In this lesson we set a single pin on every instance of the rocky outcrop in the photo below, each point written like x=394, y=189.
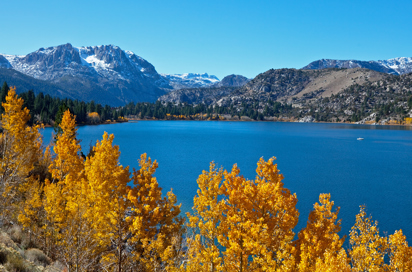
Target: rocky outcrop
x=232, y=81
x=196, y=96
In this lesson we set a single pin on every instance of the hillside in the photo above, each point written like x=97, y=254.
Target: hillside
x=25, y=83
x=196, y=96
x=355, y=95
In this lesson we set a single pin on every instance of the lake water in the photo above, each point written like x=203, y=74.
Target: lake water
x=314, y=159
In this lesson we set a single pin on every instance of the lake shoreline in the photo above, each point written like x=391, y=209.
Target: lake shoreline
x=268, y=121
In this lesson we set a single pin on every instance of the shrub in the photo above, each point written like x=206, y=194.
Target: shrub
x=37, y=256
x=16, y=263
x=16, y=234
x=7, y=241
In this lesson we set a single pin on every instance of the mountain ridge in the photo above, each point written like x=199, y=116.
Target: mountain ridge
x=396, y=66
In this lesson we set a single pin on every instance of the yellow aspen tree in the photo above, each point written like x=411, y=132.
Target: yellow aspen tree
x=66, y=201
x=67, y=149
x=332, y=262
x=32, y=215
x=108, y=203
x=20, y=148
x=400, y=253
x=319, y=236
x=368, y=248
x=203, y=249
x=156, y=229
x=66, y=162
x=252, y=220
x=260, y=214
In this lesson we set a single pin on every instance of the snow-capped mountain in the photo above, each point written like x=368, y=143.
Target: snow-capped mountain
x=401, y=65
x=190, y=80
x=106, y=74
x=396, y=66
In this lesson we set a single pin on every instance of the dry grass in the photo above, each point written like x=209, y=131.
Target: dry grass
x=335, y=81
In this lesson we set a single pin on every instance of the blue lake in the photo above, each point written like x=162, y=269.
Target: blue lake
x=314, y=159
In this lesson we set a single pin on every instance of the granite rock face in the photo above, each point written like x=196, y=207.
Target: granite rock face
x=232, y=81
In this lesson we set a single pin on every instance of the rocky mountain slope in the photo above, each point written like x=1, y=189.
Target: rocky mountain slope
x=284, y=84
x=389, y=98
x=206, y=95
x=396, y=66
x=196, y=96
x=26, y=83
x=106, y=74
x=232, y=81
x=332, y=94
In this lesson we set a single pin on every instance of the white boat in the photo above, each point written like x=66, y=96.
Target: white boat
x=360, y=139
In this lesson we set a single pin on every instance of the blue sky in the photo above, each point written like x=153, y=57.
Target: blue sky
x=218, y=37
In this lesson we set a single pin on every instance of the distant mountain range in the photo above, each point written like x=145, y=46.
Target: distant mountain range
x=106, y=74
x=397, y=66
x=109, y=75
x=190, y=80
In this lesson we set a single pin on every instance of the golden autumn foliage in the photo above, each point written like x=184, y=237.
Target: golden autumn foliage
x=252, y=220
x=368, y=247
x=66, y=200
x=92, y=214
x=20, y=149
x=155, y=226
x=319, y=241
x=107, y=200
x=399, y=252
x=93, y=117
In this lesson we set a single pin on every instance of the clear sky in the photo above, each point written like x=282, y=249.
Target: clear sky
x=218, y=37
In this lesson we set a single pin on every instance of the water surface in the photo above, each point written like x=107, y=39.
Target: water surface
x=314, y=158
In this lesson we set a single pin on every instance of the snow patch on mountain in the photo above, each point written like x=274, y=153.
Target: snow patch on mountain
x=402, y=65
x=397, y=66
x=190, y=80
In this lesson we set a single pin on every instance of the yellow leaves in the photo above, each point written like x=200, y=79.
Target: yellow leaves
x=67, y=149
x=93, y=117
x=154, y=219
x=368, y=248
x=400, y=253
x=320, y=236
x=20, y=149
x=251, y=219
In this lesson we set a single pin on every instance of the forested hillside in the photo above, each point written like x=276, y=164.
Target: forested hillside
x=45, y=108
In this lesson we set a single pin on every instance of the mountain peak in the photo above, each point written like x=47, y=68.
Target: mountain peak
x=191, y=80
